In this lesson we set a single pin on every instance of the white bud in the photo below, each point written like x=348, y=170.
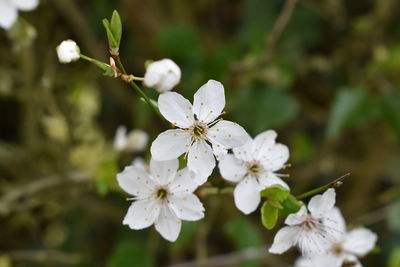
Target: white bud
x=120, y=138
x=137, y=140
x=162, y=75
x=68, y=51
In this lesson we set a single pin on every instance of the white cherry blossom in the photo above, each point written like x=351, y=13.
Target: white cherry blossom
x=198, y=127
x=353, y=244
x=314, y=232
x=162, y=196
x=68, y=51
x=9, y=10
x=253, y=167
x=162, y=75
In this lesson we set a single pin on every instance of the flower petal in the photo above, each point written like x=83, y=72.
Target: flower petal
x=201, y=161
x=170, y=144
x=141, y=214
x=263, y=142
x=8, y=14
x=360, y=241
x=121, y=138
x=167, y=224
x=219, y=151
x=26, y=5
x=335, y=223
x=298, y=217
x=274, y=157
x=136, y=181
x=247, y=195
x=163, y=171
x=183, y=182
x=232, y=169
x=176, y=109
x=228, y=134
x=245, y=152
x=187, y=206
x=270, y=179
x=320, y=204
x=284, y=239
x=209, y=101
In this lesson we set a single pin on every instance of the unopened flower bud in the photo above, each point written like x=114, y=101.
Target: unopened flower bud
x=162, y=75
x=68, y=51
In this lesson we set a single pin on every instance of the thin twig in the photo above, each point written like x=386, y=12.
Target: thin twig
x=335, y=183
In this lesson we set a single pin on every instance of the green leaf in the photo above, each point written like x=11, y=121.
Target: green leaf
x=269, y=214
x=112, y=42
x=276, y=192
x=116, y=27
x=290, y=205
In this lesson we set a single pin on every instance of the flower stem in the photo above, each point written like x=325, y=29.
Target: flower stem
x=334, y=184
x=132, y=84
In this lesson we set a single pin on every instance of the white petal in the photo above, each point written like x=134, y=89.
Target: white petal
x=228, y=134
x=209, y=101
x=284, y=239
x=187, y=206
x=335, y=223
x=120, y=138
x=320, y=204
x=219, y=151
x=167, y=224
x=183, y=182
x=270, y=179
x=360, y=241
x=298, y=217
x=139, y=163
x=170, y=144
x=232, y=169
x=163, y=171
x=247, y=195
x=26, y=5
x=136, y=181
x=275, y=157
x=245, y=152
x=8, y=14
x=263, y=142
x=162, y=75
x=141, y=214
x=176, y=109
x=201, y=161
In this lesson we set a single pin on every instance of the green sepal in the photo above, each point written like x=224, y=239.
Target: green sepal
x=276, y=192
x=269, y=214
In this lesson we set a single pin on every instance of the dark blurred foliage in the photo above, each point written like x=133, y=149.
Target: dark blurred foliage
x=329, y=85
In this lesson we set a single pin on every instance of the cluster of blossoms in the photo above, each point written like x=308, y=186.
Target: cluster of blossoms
x=319, y=231
x=163, y=195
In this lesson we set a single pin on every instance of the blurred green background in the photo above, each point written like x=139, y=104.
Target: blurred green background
x=328, y=81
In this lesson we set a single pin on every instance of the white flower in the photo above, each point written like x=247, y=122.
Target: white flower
x=9, y=10
x=162, y=75
x=313, y=232
x=163, y=196
x=135, y=141
x=68, y=51
x=198, y=126
x=355, y=243
x=253, y=167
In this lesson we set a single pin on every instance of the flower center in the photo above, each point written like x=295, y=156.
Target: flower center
x=254, y=168
x=337, y=249
x=162, y=193
x=199, y=130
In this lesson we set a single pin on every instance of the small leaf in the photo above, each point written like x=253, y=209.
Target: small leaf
x=111, y=40
x=276, y=192
x=290, y=205
x=116, y=27
x=269, y=214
